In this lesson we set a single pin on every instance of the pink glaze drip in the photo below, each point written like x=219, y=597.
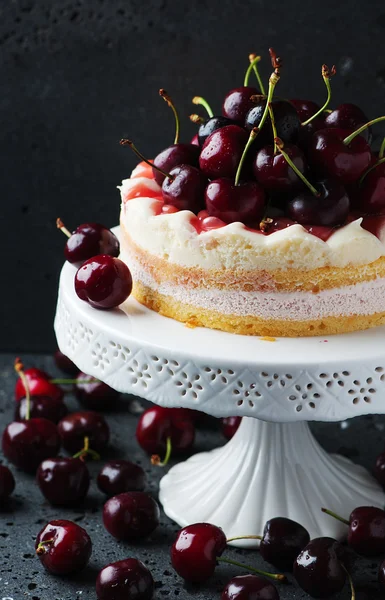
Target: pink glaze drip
x=168, y=209
x=143, y=170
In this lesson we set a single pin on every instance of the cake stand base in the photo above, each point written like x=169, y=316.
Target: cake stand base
x=265, y=470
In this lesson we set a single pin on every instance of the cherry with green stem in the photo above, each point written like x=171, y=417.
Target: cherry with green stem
x=157, y=461
x=88, y=240
x=237, y=102
x=199, y=101
x=366, y=533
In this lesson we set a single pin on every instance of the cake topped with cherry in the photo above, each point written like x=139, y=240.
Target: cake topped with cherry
x=270, y=222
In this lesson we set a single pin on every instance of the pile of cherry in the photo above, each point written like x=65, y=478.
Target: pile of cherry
x=269, y=162
x=42, y=425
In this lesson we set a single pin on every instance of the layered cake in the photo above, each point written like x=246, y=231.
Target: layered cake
x=269, y=223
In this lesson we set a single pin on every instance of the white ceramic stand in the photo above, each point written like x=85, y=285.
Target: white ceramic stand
x=273, y=465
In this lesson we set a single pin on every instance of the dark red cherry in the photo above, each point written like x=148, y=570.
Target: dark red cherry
x=63, y=481
x=222, y=152
x=186, y=189
x=41, y=407
x=381, y=576
x=329, y=209
x=282, y=541
x=350, y=117
x=39, y=385
x=345, y=162
x=126, y=579
x=94, y=394
x=7, y=483
x=63, y=547
x=367, y=531
x=195, y=551
x=88, y=240
x=131, y=515
x=103, y=281
x=118, y=476
x=286, y=119
x=237, y=103
x=370, y=198
x=27, y=443
x=230, y=426
x=211, y=125
x=78, y=425
x=65, y=364
x=157, y=424
x=249, y=587
x=305, y=108
x=306, y=132
x=274, y=173
x=171, y=157
x=379, y=469
x=318, y=569
x=232, y=203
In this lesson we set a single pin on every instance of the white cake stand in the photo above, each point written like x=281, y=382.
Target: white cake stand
x=273, y=466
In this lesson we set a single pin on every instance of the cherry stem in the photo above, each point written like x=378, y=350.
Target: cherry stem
x=313, y=190
x=73, y=381
x=41, y=548
x=353, y=591
x=276, y=576
x=326, y=76
x=382, y=149
x=86, y=451
x=351, y=137
x=125, y=142
x=254, y=60
x=335, y=516
x=244, y=537
x=197, y=119
x=155, y=458
x=19, y=368
x=199, y=101
x=379, y=162
x=163, y=94
x=253, y=134
x=272, y=119
x=60, y=225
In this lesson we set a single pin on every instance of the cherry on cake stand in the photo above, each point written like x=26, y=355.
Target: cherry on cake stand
x=273, y=466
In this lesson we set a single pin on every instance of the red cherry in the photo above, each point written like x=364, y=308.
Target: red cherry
x=232, y=203
x=124, y=580
x=26, y=444
x=131, y=515
x=185, y=188
x=319, y=570
x=39, y=385
x=286, y=120
x=63, y=481
x=118, y=476
x=195, y=551
x=350, y=117
x=211, y=125
x=370, y=197
x=79, y=425
x=88, y=240
x=249, y=587
x=274, y=173
x=307, y=131
x=237, y=103
x=329, y=209
x=222, y=151
x=157, y=424
x=94, y=394
x=305, y=108
x=345, y=162
x=171, y=157
x=103, y=281
x=7, y=483
x=63, y=547
x=41, y=407
x=230, y=426
x=65, y=364
x=367, y=531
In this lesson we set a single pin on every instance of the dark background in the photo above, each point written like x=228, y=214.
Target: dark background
x=76, y=76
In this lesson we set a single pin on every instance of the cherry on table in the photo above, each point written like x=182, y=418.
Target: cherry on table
x=222, y=152
x=249, y=587
x=118, y=476
x=63, y=481
x=44, y=407
x=304, y=108
x=319, y=569
x=131, y=515
x=282, y=541
x=7, y=483
x=329, y=209
x=366, y=534
x=88, y=240
x=157, y=424
x=63, y=547
x=65, y=364
x=171, y=157
x=350, y=117
x=103, y=281
x=274, y=173
x=27, y=443
x=83, y=424
x=94, y=394
x=39, y=385
x=286, y=119
x=231, y=203
x=185, y=188
x=230, y=426
x=125, y=579
x=237, y=103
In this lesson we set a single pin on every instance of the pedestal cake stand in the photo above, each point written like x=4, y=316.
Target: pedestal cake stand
x=273, y=466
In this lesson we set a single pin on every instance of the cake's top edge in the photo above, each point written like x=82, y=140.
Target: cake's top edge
x=188, y=240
